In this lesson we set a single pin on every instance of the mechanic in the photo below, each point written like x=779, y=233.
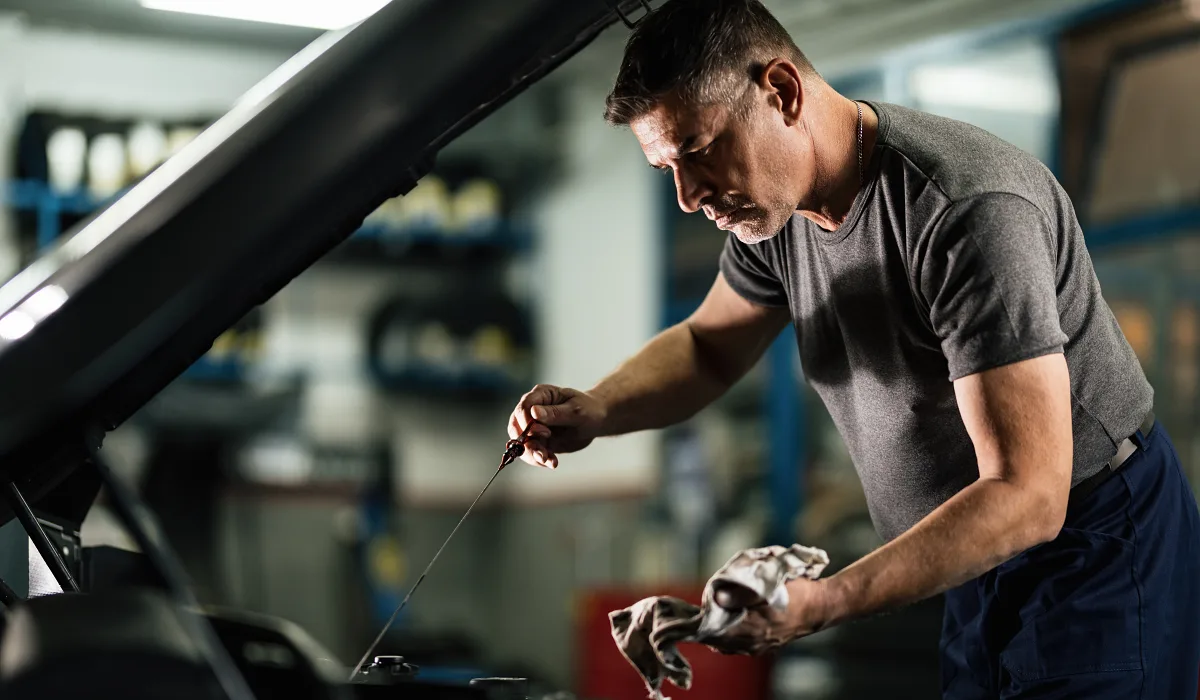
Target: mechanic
x=947, y=313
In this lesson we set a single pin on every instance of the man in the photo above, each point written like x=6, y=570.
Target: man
x=947, y=313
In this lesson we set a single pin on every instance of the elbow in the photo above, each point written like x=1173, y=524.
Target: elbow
x=1046, y=515
x=1036, y=500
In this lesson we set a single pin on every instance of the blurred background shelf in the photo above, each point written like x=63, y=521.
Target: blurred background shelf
x=372, y=242
x=35, y=195
x=51, y=206
x=452, y=382
x=420, y=245
x=222, y=371
x=1142, y=228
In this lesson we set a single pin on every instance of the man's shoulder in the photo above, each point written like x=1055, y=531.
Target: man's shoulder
x=962, y=161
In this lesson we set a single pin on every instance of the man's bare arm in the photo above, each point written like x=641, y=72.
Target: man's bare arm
x=1019, y=419
x=691, y=364
x=675, y=375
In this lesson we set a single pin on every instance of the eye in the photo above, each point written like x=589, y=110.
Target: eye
x=706, y=151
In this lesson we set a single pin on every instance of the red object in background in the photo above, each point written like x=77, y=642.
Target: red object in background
x=604, y=674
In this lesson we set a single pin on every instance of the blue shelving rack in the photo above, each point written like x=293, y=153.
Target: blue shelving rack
x=380, y=243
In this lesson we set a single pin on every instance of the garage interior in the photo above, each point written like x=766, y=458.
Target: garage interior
x=311, y=463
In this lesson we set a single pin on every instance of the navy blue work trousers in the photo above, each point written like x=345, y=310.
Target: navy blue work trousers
x=1108, y=609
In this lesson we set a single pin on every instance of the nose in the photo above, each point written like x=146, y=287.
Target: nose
x=690, y=190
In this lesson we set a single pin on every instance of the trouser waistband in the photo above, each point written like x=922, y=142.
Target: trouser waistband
x=1125, y=450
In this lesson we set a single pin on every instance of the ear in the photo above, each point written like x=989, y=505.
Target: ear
x=780, y=79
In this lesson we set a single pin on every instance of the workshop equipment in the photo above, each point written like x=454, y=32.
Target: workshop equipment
x=512, y=450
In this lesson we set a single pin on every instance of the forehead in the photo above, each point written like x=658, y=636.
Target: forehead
x=671, y=126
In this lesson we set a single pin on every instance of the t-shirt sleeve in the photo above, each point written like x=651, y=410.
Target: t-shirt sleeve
x=988, y=277
x=748, y=270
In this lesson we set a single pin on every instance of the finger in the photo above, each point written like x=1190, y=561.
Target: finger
x=539, y=455
x=533, y=452
x=536, y=431
x=538, y=395
x=535, y=447
x=546, y=457
x=562, y=415
x=524, y=419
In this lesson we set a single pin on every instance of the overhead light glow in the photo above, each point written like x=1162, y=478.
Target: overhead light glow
x=15, y=325
x=318, y=14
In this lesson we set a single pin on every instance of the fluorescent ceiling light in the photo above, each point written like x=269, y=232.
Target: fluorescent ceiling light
x=318, y=14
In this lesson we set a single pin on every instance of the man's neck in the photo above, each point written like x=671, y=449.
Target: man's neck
x=838, y=160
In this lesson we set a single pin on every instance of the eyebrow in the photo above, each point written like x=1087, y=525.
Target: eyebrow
x=684, y=148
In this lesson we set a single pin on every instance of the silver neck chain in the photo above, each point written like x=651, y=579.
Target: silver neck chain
x=860, y=147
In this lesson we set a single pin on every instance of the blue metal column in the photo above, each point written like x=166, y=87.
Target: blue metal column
x=786, y=423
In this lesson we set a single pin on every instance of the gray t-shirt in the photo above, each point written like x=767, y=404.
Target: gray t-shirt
x=960, y=254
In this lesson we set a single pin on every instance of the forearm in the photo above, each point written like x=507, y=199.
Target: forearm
x=668, y=381
x=981, y=527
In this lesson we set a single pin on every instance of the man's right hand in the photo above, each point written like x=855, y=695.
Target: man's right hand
x=568, y=420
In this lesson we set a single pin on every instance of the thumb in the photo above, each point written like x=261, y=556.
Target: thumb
x=564, y=414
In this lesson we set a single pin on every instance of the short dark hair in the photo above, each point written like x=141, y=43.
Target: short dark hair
x=697, y=49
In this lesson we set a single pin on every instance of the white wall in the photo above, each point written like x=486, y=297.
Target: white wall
x=122, y=75
x=599, y=297
x=444, y=450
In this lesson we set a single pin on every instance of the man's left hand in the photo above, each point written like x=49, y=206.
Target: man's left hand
x=764, y=629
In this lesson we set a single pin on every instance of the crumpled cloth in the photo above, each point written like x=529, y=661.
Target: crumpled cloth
x=648, y=632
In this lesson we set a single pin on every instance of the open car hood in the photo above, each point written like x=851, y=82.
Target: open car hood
x=131, y=298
